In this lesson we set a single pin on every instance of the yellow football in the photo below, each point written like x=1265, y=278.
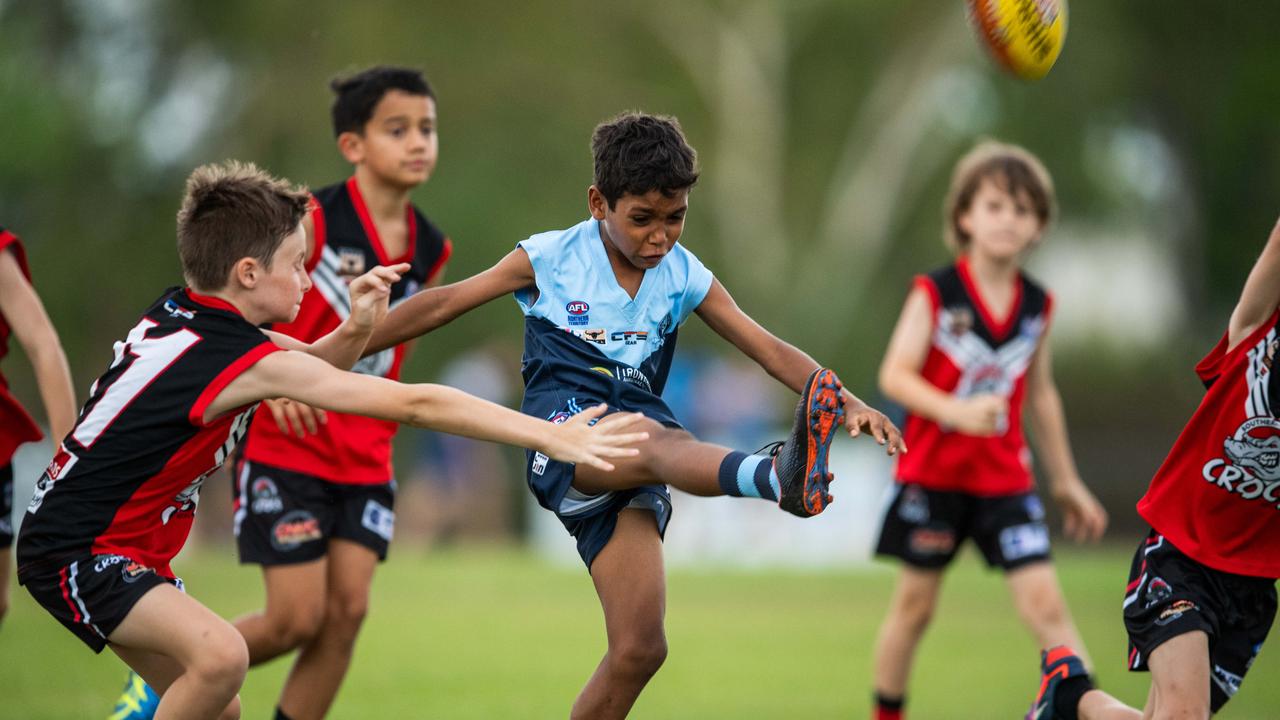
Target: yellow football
x=1024, y=36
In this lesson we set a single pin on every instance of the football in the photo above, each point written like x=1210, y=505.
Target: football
x=1024, y=36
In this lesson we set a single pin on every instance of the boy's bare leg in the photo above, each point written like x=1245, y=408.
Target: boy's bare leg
x=631, y=582
x=1037, y=597
x=293, y=612
x=195, y=660
x=910, y=611
x=322, y=663
x=670, y=456
x=1180, y=678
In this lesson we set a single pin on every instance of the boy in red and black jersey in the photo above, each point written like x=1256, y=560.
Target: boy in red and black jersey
x=969, y=351
x=22, y=315
x=115, y=505
x=314, y=492
x=1201, y=595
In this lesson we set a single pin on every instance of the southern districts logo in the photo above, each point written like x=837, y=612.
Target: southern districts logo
x=1251, y=468
x=351, y=263
x=577, y=310
x=378, y=519
x=293, y=529
x=1157, y=592
x=266, y=497
x=931, y=541
x=131, y=571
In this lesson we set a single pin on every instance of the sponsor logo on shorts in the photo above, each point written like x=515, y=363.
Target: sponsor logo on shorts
x=1175, y=611
x=929, y=541
x=102, y=562
x=293, y=529
x=577, y=310
x=1021, y=541
x=539, y=463
x=1251, y=466
x=913, y=507
x=1226, y=680
x=266, y=497
x=62, y=463
x=1158, y=591
x=378, y=519
x=131, y=571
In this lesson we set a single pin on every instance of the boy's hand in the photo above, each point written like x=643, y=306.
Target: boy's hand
x=294, y=417
x=984, y=414
x=1083, y=516
x=577, y=441
x=370, y=294
x=860, y=417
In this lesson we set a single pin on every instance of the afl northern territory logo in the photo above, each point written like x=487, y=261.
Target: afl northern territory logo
x=1251, y=468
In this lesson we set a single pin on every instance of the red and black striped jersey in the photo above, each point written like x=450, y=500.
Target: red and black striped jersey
x=970, y=353
x=1217, y=495
x=127, y=479
x=348, y=449
x=16, y=426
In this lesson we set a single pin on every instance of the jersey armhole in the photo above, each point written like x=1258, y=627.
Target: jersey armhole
x=318, y=232
x=10, y=241
x=1210, y=367
x=446, y=250
x=924, y=282
x=224, y=378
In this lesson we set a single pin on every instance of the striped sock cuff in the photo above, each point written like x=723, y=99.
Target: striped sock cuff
x=743, y=475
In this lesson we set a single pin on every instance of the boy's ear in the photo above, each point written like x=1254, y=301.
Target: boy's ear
x=596, y=203
x=246, y=272
x=351, y=145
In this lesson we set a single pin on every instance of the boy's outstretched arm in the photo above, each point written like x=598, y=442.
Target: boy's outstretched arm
x=1083, y=516
x=309, y=380
x=434, y=307
x=902, y=381
x=25, y=314
x=1261, y=292
x=787, y=363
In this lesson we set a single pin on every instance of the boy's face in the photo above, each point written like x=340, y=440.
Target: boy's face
x=399, y=143
x=642, y=228
x=1000, y=225
x=280, y=289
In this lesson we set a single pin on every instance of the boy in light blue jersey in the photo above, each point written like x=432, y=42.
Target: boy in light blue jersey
x=603, y=302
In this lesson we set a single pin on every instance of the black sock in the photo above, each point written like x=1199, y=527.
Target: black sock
x=281, y=716
x=889, y=707
x=1066, y=700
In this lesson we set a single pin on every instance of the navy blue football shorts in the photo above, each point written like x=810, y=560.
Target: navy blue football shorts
x=590, y=519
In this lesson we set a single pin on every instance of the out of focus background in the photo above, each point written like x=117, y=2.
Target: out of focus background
x=826, y=130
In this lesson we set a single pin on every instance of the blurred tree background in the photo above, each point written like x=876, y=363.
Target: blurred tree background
x=826, y=129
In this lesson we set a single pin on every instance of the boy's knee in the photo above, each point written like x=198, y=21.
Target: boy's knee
x=299, y=626
x=915, y=611
x=222, y=662
x=348, y=611
x=639, y=656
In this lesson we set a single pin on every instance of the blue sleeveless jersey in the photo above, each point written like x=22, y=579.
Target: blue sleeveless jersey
x=586, y=338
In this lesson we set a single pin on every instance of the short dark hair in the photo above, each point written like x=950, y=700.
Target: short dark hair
x=231, y=211
x=358, y=94
x=636, y=153
x=1011, y=167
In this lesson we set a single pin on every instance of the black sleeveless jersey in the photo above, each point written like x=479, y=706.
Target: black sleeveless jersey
x=127, y=479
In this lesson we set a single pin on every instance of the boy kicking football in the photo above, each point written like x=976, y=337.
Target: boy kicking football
x=603, y=302
x=117, y=501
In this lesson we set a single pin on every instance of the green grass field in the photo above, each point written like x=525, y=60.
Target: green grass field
x=499, y=633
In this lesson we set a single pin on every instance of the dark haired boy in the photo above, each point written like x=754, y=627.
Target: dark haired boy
x=603, y=302
x=116, y=503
